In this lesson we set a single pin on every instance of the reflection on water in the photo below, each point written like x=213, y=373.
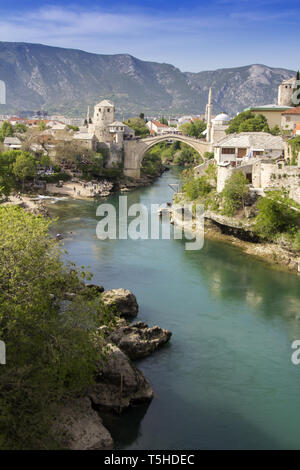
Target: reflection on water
x=226, y=379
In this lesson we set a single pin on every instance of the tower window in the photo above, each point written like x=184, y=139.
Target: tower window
x=108, y=110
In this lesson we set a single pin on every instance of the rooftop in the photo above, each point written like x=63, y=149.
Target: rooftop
x=252, y=139
x=268, y=107
x=295, y=110
x=106, y=103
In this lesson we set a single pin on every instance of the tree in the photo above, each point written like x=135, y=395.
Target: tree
x=163, y=120
x=24, y=167
x=274, y=216
x=6, y=130
x=51, y=353
x=142, y=116
x=138, y=125
x=248, y=122
x=21, y=128
x=42, y=126
x=7, y=179
x=234, y=193
x=193, y=129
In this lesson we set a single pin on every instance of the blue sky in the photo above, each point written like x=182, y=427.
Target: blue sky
x=192, y=35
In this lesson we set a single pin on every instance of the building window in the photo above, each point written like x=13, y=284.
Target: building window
x=228, y=151
x=108, y=110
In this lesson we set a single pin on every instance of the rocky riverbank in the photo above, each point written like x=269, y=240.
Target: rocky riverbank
x=119, y=384
x=234, y=232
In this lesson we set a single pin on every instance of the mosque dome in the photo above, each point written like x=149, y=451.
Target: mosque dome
x=221, y=118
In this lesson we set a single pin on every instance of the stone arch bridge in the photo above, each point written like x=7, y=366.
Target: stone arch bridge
x=134, y=150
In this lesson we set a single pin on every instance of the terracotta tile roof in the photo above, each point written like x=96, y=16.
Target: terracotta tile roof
x=295, y=110
x=159, y=124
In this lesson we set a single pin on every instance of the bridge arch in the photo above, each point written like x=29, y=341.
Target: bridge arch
x=135, y=150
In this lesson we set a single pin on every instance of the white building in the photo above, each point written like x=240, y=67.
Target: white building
x=12, y=143
x=246, y=145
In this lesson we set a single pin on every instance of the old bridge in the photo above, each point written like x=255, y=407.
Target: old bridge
x=134, y=150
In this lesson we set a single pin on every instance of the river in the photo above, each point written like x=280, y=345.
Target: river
x=226, y=380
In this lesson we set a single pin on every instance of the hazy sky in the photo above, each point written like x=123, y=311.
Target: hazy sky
x=192, y=35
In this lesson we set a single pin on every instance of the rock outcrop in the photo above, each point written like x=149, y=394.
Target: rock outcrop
x=119, y=383
x=79, y=427
x=122, y=300
x=138, y=340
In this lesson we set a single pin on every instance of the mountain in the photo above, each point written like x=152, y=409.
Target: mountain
x=68, y=80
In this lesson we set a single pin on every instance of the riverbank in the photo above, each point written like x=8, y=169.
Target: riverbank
x=215, y=228
x=119, y=384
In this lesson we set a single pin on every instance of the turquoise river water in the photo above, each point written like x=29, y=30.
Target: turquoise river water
x=226, y=380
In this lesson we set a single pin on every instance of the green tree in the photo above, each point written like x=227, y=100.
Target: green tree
x=234, y=193
x=193, y=129
x=24, y=167
x=42, y=126
x=21, y=128
x=138, y=125
x=274, y=216
x=6, y=130
x=248, y=122
x=163, y=120
x=51, y=352
x=7, y=179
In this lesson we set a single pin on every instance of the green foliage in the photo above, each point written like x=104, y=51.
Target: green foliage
x=163, y=120
x=295, y=146
x=275, y=216
x=196, y=188
x=42, y=126
x=138, y=125
x=51, y=352
x=275, y=130
x=7, y=178
x=193, y=129
x=208, y=155
x=247, y=121
x=24, y=167
x=55, y=177
x=234, y=193
x=152, y=164
x=73, y=128
x=20, y=128
x=6, y=130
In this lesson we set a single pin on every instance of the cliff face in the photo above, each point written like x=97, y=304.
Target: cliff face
x=67, y=80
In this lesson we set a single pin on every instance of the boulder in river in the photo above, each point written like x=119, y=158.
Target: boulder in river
x=122, y=300
x=79, y=427
x=119, y=383
x=138, y=340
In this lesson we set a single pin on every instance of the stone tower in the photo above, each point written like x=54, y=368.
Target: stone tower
x=208, y=116
x=285, y=92
x=104, y=116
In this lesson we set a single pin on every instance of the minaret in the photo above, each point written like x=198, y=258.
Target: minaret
x=208, y=115
x=88, y=116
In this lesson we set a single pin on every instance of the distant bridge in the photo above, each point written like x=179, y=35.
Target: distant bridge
x=134, y=150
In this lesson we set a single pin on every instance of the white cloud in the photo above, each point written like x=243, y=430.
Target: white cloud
x=184, y=38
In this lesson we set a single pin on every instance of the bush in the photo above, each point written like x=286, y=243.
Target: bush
x=274, y=217
x=55, y=178
x=196, y=188
x=234, y=193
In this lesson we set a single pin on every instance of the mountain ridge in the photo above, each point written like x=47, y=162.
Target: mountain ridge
x=65, y=80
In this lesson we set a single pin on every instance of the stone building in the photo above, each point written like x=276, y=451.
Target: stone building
x=285, y=92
